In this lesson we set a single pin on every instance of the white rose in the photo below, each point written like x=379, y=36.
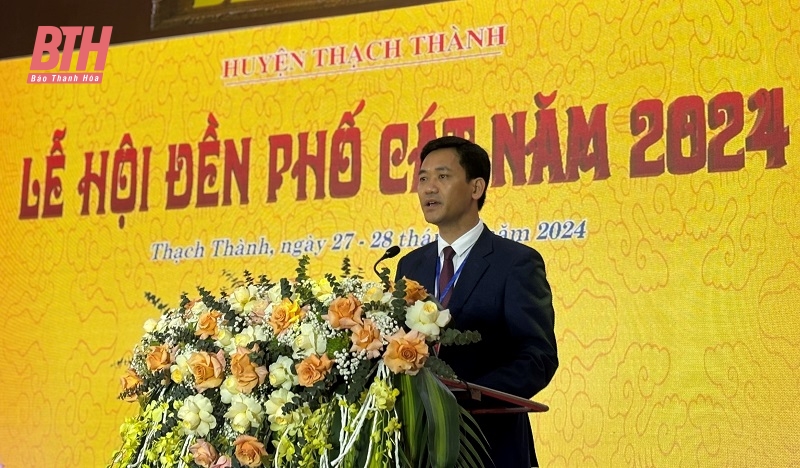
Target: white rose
x=161, y=325
x=374, y=293
x=180, y=369
x=309, y=341
x=243, y=298
x=228, y=389
x=198, y=308
x=274, y=293
x=245, y=412
x=426, y=318
x=274, y=410
x=224, y=339
x=280, y=373
x=197, y=416
x=249, y=335
x=176, y=323
x=150, y=325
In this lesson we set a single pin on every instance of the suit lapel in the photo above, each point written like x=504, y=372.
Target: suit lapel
x=476, y=266
x=424, y=272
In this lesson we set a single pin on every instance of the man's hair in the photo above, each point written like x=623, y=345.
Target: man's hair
x=473, y=158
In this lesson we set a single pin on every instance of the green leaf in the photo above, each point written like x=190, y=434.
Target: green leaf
x=442, y=416
x=440, y=368
x=452, y=336
x=302, y=268
x=346, y=267
x=472, y=437
x=384, y=276
x=411, y=414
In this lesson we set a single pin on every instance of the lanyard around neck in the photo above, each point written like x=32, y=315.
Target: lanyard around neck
x=452, y=281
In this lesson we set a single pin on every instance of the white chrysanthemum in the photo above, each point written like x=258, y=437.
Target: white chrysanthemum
x=197, y=416
x=243, y=298
x=245, y=412
x=426, y=318
x=228, y=389
x=309, y=341
x=280, y=373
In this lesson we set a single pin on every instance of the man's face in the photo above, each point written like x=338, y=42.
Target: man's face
x=444, y=193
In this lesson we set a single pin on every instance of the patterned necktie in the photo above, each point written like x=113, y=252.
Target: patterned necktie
x=446, y=275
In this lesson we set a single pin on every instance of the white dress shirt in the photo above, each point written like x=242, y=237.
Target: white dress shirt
x=462, y=246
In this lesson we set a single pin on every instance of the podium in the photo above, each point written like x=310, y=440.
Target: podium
x=478, y=399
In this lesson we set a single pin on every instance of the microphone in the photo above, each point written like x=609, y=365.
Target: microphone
x=391, y=252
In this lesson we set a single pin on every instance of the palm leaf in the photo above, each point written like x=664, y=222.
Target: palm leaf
x=412, y=417
x=442, y=417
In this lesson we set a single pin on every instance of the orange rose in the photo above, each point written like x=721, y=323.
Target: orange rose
x=414, y=291
x=284, y=315
x=204, y=453
x=344, y=312
x=207, y=324
x=249, y=450
x=158, y=358
x=129, y=382
x=313, y=369
x=367, y=338
x=208, y=369
x=247, y=375
x=406, y=352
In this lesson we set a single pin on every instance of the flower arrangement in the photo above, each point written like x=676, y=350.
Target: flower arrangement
x=333, y=372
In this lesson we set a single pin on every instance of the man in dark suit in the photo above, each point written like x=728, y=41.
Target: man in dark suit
x=494, y=285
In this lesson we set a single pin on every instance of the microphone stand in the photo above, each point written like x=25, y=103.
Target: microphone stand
x=391, y=252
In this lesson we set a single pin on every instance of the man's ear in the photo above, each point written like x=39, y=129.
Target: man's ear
x=478, y=187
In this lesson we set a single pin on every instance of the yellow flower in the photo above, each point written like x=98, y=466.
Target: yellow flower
x=284, y=315
x=385, y=395
x=322, y=289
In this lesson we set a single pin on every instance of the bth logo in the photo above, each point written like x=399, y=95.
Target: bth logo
x=48, y=40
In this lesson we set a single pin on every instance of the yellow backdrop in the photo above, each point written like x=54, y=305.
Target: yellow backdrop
x=619, y=133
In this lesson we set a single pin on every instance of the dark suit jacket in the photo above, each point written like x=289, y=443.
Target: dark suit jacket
x=503, y=293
